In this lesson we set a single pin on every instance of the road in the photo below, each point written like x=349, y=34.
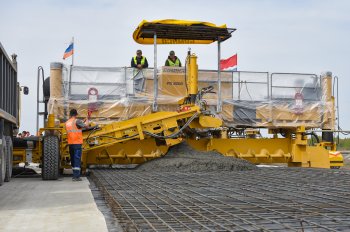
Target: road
x=31, y=204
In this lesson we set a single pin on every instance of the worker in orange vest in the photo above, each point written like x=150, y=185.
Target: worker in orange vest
x=74, y=128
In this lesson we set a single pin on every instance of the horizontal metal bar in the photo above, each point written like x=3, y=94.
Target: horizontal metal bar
x=345, y=131
x=7, y=116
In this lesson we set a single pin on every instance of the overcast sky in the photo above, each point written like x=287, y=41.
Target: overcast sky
x=273, y=36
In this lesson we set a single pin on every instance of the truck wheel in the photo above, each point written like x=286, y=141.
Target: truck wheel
x=50, y=158
x=9, y=158
x=3, y=153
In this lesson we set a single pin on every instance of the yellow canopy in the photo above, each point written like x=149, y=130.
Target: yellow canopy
x=171, y=31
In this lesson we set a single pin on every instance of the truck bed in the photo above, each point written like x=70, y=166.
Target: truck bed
x=8, y=88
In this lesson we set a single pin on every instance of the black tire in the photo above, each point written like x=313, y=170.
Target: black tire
x=51, y=158
x=9, y=158
x=3, y=152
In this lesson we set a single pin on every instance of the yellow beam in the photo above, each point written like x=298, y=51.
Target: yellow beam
x=293, y=152
x=192, y=74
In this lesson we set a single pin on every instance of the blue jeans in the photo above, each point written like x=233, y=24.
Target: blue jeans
x=75, y=158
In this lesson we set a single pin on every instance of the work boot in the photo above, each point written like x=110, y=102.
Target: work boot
x=77, y=179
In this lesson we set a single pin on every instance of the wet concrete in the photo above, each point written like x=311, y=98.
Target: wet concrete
x=183, y=158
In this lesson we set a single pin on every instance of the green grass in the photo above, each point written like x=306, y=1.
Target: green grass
x=344, y=144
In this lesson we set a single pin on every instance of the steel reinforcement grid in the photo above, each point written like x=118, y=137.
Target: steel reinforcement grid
x=267, y=199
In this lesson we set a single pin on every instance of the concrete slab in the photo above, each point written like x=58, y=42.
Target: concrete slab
x=31, y=204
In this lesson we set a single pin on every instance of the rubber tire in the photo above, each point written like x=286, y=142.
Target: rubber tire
x=9, y=158
x=3, y=152
x=51, y=158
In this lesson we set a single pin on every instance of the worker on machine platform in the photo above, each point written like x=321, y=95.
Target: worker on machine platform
x=139, y=61
x=173, y=60
x=75, y=140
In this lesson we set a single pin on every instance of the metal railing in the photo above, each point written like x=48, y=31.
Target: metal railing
x=242, y=85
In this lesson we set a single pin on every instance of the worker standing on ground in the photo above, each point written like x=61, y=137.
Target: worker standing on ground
x=139, y=61
x=173, y=60
x=75, y=140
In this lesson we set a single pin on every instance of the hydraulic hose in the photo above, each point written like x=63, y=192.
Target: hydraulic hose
x=174, y=134
x=313, y=134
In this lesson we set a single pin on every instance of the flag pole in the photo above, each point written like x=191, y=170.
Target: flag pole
x=218, y=107
x=70, y=71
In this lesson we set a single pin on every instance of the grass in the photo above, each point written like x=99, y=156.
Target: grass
x=344, y=144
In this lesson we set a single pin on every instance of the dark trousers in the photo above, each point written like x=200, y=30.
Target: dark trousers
x=75, y=158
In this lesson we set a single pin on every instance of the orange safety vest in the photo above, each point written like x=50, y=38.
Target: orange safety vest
x=74, y=135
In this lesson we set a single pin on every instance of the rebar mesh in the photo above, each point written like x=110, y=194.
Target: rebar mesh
x=267, y=199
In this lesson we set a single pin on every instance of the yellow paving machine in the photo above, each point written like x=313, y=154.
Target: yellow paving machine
x=137, y=115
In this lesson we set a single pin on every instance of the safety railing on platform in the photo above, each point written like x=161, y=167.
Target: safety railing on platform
x=247, y=98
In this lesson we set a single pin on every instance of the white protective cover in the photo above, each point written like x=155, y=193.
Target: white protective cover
x=249, y=99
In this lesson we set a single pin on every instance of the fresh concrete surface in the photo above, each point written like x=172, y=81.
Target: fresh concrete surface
x=31, y=204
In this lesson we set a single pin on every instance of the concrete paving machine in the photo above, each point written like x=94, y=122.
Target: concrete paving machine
x=137, y=115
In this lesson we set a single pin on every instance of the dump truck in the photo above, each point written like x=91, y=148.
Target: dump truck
x=137, y=115
x=9, y=111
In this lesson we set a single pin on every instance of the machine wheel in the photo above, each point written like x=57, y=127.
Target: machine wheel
x=51, y=158
x=3, y=153
x=9, y=158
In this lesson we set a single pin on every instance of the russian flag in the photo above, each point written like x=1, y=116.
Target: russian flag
x=229, y=62
x=69, y=51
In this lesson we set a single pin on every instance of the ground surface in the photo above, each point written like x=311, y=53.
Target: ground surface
x=266, y=199
x=189, y=190
x=31, y=204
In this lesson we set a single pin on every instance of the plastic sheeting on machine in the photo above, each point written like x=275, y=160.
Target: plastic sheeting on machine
x=249, y=99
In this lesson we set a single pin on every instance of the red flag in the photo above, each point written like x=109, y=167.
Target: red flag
x=229, y=62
